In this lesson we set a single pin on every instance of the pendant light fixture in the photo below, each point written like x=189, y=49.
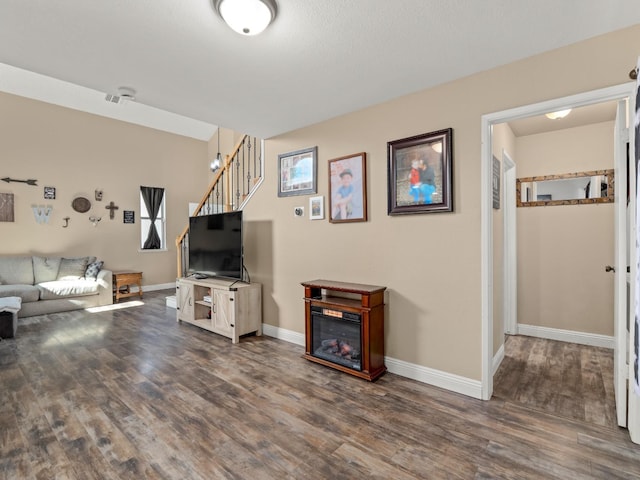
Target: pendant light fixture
x=217, y=162
x=247, y=17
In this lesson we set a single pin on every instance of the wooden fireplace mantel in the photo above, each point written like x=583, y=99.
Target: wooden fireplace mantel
x=365, y=300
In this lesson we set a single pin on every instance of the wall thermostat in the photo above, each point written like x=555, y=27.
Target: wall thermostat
x=298, y=211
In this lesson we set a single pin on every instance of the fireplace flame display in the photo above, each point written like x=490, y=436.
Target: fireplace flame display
x=337, y=339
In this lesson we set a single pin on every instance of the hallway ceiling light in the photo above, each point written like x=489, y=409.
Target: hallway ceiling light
x=247, y=17
x=558, y=114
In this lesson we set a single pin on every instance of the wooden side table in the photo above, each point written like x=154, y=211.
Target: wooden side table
x=122, y=282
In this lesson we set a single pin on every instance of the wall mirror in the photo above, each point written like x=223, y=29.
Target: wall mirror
x=566, y=189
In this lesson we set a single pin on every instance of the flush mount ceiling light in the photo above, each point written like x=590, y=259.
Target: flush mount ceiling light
x=247, y=17
x=558, y=114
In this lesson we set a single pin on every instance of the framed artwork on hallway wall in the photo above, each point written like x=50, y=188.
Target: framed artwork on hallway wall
x=348, y=188
x=297, y=172
x=420, y=173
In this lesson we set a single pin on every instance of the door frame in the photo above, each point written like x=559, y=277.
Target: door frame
x=510, y=255
x=617, y=92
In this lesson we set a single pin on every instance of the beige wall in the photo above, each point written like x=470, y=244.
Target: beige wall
x=502, y=139
x=430, y=263
x=562, y=250
x=78, y=153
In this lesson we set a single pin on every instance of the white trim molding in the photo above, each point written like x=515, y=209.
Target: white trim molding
x=283, y=334
x=431, y=376
x=497, y=359
x=571, y=336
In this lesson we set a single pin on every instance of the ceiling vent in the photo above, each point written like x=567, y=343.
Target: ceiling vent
x=124, y=94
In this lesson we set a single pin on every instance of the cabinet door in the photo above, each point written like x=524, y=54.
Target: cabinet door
x=223, y=312
x=184, y=299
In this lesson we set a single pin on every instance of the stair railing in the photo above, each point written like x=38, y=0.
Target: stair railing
x=231, y=188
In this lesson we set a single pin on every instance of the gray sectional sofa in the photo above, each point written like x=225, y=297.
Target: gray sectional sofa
x=55, y=284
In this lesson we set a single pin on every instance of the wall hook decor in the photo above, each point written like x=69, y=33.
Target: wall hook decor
x=94, y=220
x=66, y=222
x=98, y=195
x=28, y=182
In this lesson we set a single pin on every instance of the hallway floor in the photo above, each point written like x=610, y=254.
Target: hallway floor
x=564, y=379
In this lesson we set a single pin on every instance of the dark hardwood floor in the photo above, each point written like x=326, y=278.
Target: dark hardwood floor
x=565, y=379
x=132, y=394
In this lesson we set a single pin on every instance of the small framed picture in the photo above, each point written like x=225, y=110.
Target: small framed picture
x=128, y=216
x=316, y=208
x=348, y=189
x=420, y=173
x=49, y=193
x=297, y=172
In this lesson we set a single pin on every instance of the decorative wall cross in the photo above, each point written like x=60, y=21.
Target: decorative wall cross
x=112, y=210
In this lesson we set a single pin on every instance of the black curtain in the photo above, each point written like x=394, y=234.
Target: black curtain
x=152, y=197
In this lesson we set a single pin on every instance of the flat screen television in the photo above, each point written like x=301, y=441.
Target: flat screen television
x=215, y=245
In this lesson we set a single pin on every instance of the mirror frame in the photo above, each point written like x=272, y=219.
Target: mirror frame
x=609, y=173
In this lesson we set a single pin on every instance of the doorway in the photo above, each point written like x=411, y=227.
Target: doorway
x=621, y=92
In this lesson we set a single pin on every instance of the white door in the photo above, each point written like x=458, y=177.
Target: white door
x=620, y=368
x=634, y=255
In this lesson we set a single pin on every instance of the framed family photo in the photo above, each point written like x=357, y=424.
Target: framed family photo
x=348, y=189
x=297, y=172
x=420, y=172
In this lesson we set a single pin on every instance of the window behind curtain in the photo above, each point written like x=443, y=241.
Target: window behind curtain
x=145, y=223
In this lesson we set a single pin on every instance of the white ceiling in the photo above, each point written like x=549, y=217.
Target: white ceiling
x=319, y=59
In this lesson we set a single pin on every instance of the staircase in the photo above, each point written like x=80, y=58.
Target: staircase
x=232, y=186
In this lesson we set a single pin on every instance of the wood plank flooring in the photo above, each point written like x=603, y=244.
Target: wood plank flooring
x=132, y=394
x=565, y=379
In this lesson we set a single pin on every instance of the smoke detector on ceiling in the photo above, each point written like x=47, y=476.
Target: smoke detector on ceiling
x=124, y=94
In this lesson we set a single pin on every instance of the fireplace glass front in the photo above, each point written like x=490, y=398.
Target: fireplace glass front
x=335, y=337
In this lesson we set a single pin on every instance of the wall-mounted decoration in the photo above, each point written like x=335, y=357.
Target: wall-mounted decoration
x=420, y=173
x=112, y=208
x=6, y=207
x=495, y=183
x=128, y=216
x=297, y=172
x=566, y=189
x=28, y=182
x=49, y=193
x=98, y=194
x=42, y=213
x=316, y=208
x=66, y=222
x=94, y=220
x=81, y=204
x=348, y=189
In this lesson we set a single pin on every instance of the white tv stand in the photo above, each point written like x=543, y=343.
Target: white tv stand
x=235, y=308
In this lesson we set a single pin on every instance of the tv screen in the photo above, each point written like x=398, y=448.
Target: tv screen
x=215, y=245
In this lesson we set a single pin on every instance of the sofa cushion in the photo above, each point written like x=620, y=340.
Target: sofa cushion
x=28, y=293
x=93, y=269
x=16, y=270
x=45, y=269
x=66, y=288
x=72, y=268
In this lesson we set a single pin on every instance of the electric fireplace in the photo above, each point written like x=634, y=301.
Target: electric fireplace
x=344, y=327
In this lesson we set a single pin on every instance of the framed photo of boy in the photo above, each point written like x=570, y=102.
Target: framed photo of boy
x=348, y=189
x=420, y=173
x=297, y=172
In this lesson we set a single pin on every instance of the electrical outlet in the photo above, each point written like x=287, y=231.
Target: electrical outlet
x=298, y=212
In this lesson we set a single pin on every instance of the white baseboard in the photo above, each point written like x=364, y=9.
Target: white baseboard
x=151, y=288
x=283, y=334
x=582, y=338
x=497, y=359
x=437, y=378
